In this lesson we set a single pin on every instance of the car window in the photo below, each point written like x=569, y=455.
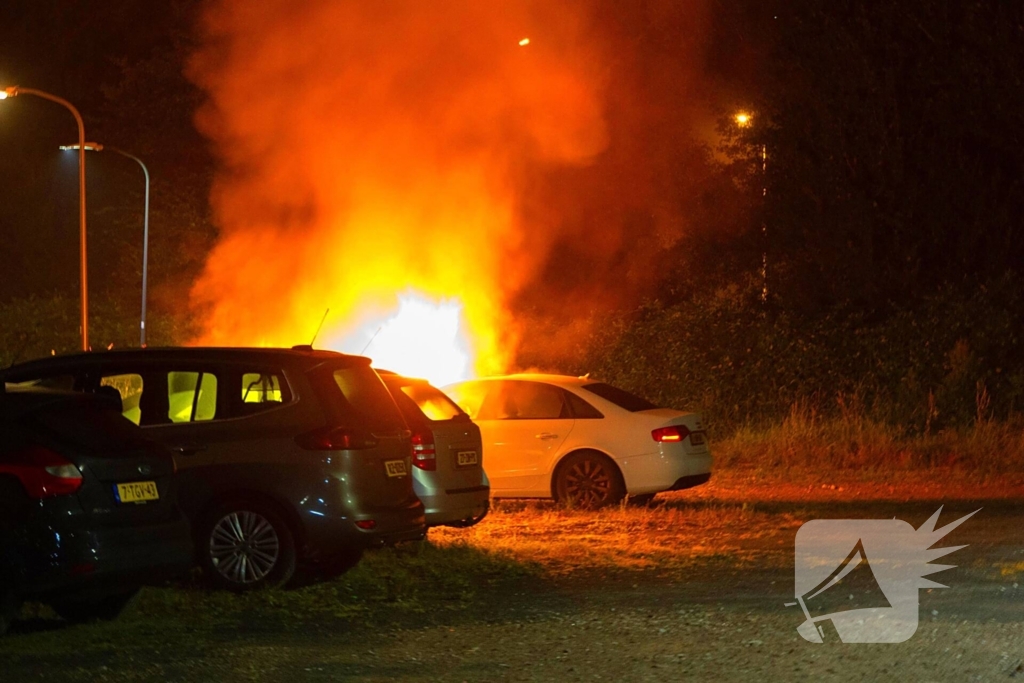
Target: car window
x=89, y=424
x=581, y=410
x=470, y=396
x=365, y=393
x=63, y=382
x=537, y=401
x=258, y=387
x=521, y=400
x=431, y=401
x=130, y=387
x=191, y=396
x=619, y=397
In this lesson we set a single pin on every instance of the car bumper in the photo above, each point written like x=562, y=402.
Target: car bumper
x=455, y=505
x=329, y=536
x=667, y=470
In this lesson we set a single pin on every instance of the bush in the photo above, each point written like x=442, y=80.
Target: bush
x=950, y=360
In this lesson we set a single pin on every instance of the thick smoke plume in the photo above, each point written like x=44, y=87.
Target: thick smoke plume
x=371, y=151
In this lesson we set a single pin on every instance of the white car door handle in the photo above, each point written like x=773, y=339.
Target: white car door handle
x=546, y=436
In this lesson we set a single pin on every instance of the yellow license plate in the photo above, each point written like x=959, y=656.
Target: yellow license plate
x=395, y=468
x=137, y=492
x=466, y=458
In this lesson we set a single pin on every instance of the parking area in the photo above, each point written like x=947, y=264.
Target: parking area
x=694, y=586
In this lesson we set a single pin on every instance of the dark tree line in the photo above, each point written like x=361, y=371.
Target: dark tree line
x=894, y=132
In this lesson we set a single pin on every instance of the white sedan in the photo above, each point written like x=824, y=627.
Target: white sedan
x=582, y=441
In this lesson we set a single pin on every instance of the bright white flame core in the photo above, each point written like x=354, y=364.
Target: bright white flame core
x=423, y=338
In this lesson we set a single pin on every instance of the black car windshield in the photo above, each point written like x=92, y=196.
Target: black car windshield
x=619, y=397
x=91, y=425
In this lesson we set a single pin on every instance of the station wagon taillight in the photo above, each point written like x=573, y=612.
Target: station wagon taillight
x=42, y=473
x=424, y=456
x=670, y=434
x=336, y=439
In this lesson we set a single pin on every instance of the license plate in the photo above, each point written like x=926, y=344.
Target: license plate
x=137, y=492
x=395, y=468
x=696, y=438
x=466, y=458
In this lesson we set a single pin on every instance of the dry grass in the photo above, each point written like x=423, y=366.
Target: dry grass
x=805, y=441
x=743, y=516
x=668, y=537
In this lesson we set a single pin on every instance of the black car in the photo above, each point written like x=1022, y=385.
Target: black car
x=88, y=511
x=284, y=455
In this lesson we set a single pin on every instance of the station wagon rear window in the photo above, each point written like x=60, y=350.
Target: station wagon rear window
x=431, y=401
x=367, y=396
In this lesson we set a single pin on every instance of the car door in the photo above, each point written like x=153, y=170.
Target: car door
x=524, y=425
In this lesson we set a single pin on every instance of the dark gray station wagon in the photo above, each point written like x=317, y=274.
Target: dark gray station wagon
x=284, y=455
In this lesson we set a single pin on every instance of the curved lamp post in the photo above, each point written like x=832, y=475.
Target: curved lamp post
x=14, y=91
x=95, y=147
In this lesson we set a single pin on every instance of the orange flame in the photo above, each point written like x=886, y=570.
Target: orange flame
x=372, y=161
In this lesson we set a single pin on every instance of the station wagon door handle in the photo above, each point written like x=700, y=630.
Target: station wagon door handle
x=189, y=449
x=546, y=436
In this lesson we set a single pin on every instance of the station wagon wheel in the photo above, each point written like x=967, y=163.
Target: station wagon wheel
x=589, y=480
x=246, y=545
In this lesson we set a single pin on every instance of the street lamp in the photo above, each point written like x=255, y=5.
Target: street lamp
x=746, y=120
x=95, y=147
x=14, y=91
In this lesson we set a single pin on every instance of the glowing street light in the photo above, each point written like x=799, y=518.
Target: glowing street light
x=745, y=120
x=95, y=147
x=524, y=42
x=14, y=91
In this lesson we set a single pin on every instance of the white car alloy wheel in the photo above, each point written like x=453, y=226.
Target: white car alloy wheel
x=588, y=480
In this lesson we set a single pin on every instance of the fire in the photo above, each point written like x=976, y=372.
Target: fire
x=373, y=160
x=423, y=338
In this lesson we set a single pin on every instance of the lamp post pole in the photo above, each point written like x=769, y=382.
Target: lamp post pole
x=745, y=120
x=14, y=92
x=96, y=147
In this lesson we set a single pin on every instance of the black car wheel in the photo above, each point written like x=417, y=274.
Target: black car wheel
x=245, y=545
x=104, y=609
x=588, y=480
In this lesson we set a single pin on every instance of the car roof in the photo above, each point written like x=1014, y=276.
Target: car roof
x=391, y=376
x=179, y=353
x=21, y=400
x=560, y=380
